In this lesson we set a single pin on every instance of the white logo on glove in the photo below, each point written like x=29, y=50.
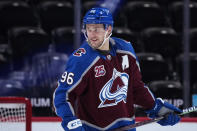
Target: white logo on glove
x=74, y=124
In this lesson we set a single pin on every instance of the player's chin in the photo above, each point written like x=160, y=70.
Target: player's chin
x=95, y=45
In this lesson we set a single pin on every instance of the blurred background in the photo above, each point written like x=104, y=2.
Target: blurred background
x=37, y=37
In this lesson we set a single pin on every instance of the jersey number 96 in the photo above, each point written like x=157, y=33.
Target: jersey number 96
x=67, y=77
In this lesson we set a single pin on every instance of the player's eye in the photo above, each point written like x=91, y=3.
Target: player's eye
x=97, y=29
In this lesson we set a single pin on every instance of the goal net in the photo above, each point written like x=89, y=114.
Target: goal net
x=15, y=114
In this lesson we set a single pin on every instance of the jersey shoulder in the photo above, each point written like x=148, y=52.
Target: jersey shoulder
x=123, y=45
x=82, y=57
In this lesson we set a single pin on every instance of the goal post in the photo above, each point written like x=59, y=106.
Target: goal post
x=15, y=114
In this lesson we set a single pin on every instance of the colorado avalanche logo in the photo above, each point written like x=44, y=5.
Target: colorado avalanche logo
x=109, y=98
x=80, y=52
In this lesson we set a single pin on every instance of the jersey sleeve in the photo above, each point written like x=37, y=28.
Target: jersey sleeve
x=68, y=89
x=141, y=93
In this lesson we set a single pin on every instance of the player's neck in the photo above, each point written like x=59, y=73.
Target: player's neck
x=105, y=47
x=104, y=52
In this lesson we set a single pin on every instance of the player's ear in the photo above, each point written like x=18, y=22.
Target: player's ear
x=109, y=29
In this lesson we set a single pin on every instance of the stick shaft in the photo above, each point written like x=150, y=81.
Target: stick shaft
x=185, y=111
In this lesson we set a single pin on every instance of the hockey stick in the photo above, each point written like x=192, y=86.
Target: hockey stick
x=185, y=111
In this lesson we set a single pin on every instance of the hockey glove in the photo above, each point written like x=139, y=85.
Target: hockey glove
x=162, y=108
x=72, y=125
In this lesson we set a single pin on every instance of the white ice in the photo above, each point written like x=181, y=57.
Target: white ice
x=56, y=126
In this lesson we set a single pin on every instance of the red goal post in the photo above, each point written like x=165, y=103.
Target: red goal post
x=15, y=110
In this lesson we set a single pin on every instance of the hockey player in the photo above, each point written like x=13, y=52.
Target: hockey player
x=102, y=82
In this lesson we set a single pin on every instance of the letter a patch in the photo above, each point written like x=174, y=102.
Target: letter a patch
x=125, y=62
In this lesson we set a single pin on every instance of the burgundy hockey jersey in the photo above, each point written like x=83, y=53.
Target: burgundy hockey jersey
x=101, y=90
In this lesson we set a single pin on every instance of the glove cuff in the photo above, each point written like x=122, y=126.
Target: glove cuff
x=74, y=124
x=154, y=111
x=71, y=123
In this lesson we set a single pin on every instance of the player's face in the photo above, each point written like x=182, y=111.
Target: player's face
x=95, y=33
